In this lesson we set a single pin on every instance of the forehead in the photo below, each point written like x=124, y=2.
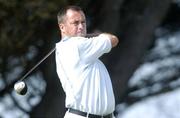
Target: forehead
x=74, y=15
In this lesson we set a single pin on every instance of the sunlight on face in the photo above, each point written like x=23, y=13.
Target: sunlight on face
x=74, y=24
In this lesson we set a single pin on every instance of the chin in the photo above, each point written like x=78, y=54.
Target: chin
x=81, y=35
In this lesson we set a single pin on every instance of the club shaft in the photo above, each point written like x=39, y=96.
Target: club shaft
x=47, y=55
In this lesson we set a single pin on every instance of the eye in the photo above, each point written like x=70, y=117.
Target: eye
x=83, y=22
x=76, y=23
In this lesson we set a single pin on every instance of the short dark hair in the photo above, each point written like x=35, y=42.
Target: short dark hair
x=61, y=14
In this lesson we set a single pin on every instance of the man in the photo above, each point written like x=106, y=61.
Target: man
x=83, y=76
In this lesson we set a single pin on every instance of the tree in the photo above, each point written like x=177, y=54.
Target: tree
x=134, y=21
x=27, y=33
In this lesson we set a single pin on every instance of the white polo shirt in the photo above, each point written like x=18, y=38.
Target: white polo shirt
x=83, y=76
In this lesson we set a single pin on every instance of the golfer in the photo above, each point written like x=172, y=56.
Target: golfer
x=84, y=78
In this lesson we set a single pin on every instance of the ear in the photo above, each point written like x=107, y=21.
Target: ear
x=61, y=27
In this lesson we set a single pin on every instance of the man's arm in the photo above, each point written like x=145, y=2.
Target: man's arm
x=114, y=39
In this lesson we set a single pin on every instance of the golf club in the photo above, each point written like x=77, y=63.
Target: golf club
x=46, y=56
x=20, y=87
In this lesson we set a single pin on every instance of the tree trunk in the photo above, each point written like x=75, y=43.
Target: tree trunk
x=136, y=36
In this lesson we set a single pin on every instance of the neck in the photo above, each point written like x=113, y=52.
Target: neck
x=87, y=35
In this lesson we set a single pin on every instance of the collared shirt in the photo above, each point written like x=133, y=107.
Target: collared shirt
x=83, y=76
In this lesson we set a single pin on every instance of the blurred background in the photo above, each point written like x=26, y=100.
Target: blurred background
x=144, y=67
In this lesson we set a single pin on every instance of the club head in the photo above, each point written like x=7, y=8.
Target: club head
x=20, y=88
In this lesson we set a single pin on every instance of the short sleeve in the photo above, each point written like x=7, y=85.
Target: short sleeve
x=92, y=48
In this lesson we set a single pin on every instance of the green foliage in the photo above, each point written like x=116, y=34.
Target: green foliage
x=27, y=29
x=26, y=22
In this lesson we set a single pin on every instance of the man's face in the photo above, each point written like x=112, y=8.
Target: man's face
x=74, y=24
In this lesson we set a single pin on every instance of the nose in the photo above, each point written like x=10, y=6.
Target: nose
x=81, y=26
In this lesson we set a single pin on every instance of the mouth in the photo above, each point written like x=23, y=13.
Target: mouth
x=80, y=33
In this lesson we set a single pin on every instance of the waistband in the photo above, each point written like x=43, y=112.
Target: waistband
x=89, y=115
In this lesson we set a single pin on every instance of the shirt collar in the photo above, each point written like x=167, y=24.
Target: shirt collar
x=65, y=38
